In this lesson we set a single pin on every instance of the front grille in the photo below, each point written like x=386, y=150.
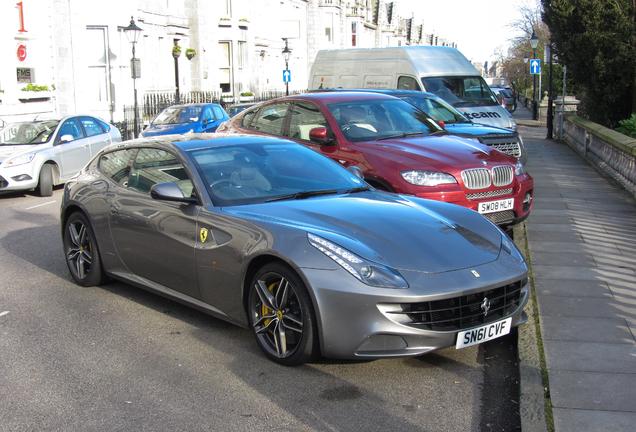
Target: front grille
x=482, y=178
x=478, y=178
x=511, y=148
x=460, y=313
x=3, y=183
x=500, y=217
x=490, y=194
x=502, y=175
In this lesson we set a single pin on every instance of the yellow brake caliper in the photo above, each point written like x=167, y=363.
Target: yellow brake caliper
x=264, y=309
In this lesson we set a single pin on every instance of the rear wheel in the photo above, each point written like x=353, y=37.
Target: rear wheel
x=45, y=181
x=82, y=255
x=282, y=316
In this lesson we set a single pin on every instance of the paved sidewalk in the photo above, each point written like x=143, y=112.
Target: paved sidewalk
x=582, y=241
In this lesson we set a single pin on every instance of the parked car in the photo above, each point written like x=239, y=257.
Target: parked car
x=236, y=108
x=505, y=140
x=399, y=148
x=180, y=119
x=505, y=98
x=270, y=235
x=40, y=154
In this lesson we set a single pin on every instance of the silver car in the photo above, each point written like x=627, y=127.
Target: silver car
x=40, y=154
x=272, y=236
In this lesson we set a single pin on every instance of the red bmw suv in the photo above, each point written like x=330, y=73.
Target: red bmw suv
x=399, y=148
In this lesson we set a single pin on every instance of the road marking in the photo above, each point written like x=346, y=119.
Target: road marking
x=4, y=313
x=40, y=205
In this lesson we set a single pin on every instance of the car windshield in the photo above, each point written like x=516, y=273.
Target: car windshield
x=35, y=132
x=267, y=172
x=437, y=108
x=469, y=91
x=371, y=120
x=178, y=115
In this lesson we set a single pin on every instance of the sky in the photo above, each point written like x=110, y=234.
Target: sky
x=478, y=27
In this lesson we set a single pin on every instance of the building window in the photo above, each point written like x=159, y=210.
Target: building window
x=353, y=33
x=97, y=64
x=242, y=54
x=225, y=66
x=328, y=34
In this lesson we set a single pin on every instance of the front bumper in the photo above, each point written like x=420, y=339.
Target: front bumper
x=522, y=192
x=358, y=321
x=18, y=178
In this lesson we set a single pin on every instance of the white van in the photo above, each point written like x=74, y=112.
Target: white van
x=440, y=70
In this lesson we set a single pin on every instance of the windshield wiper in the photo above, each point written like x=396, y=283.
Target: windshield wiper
x=302, y=195
x=402, y=135
x=357, y=189
x=440, y=133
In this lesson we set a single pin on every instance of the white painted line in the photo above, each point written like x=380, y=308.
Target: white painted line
x=4, y=313
x=40, y=205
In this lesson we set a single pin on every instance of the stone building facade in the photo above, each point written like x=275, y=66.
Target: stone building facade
x=76, y=53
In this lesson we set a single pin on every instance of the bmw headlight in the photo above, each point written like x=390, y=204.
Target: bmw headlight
x=365, y=271
x=20, y=160
x=519, y=168
x=427, y=178
x=508, y=246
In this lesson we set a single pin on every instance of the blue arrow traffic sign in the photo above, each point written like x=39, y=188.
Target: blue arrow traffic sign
x=535, y=66
x=286, y=75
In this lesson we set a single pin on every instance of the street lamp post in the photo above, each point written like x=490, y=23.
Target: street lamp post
x=525, y=85
x=550, y=119
x=132, y=33
x=534, y=41
x=286, y=54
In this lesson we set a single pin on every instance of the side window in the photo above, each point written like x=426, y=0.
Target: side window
x=247, y=118
x=117, y=165
x=105, y=126
x=152, y=166
x=219, y=113
x=407, y=83
x=271, y=118
x=70, y=127
x=207, y=114
x=304, y=118
x=91, y=127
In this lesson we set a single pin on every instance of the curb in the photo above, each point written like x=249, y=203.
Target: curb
x=531, y=395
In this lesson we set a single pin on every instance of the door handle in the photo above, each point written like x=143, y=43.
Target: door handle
x=113, y=210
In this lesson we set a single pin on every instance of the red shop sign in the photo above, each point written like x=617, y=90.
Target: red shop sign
x=22, y=52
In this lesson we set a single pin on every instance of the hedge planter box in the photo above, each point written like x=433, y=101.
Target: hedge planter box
x=246, y=98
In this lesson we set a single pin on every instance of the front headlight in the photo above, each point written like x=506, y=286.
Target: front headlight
x=519, y=168
x=365, y=271
x=508, y=246
x=427, y=178
x=513, y=123
x=20, y=160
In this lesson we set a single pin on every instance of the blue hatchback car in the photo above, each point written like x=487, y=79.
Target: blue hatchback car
x=180, y=119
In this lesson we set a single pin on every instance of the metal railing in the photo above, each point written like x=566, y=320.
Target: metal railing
x=154, y=103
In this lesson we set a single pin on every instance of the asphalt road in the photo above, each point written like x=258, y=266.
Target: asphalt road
x=117, y=358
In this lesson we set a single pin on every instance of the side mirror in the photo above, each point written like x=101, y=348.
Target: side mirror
x=319, y=135
x=442, y=124
x=169, y=191
x=66, y=138
x=356, y=171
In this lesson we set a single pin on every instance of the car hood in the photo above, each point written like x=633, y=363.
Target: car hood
x=154, y=130
x=477, y=130
x=430, y=237
x=7, y=151
x=443, y=153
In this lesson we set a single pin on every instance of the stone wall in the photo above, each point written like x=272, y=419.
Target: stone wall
x=608, y=150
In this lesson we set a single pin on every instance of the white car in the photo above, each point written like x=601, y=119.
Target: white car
x=40, y=154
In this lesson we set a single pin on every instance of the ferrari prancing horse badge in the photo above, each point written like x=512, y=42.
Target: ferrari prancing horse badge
x=204, y=235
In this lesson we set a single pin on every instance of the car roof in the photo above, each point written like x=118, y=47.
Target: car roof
x=339, y=96
x=191, y=105
x=191, y=141
x=391, y=92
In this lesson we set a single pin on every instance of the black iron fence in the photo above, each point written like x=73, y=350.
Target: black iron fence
x=153, y=104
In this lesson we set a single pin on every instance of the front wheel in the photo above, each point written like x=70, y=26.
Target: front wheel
x=281, y=316
x=81, y=252
x=45, y=181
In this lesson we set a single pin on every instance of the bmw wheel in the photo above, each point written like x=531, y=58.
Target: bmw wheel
x=282, y=316
x=80, y=248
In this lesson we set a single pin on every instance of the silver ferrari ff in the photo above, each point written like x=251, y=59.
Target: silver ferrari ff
x=274, y=237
